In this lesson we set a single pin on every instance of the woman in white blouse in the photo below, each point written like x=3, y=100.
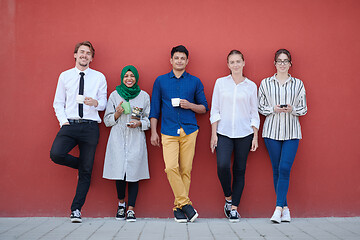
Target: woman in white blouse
x=282, y=100
x=234, y=129
x=126, y=159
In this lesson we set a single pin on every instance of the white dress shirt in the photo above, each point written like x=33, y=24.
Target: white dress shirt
x=235, y=107
x=65, y=104
x=282, y=126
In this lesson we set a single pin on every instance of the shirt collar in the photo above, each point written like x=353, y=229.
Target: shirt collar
x=172, y=75
x=246, y=80
x=78, y=71
x=273, y=78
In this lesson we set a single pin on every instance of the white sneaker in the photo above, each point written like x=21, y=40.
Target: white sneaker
x=285, y=217
x=276, y=217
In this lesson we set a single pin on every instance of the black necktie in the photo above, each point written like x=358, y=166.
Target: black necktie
x=81, y=92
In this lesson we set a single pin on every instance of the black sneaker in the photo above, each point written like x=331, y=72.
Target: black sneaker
x=227, y=209
x=120, y=214
x=190, y=212
x=130, y=216
x=234, y=216
x=180, y=216
x=75, y=216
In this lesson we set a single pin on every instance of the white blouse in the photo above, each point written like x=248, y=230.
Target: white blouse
x=235, y=106
x=282, y=126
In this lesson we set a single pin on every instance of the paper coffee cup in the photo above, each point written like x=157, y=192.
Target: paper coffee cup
x=175, y=102
x=126, y=106
x=80, y=98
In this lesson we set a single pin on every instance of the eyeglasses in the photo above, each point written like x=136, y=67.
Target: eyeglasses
x=285, y=62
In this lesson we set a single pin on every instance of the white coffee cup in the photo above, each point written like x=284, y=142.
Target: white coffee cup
x=175, y=102
x=80, y=98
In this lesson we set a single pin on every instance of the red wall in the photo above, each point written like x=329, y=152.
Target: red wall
x=37, y=41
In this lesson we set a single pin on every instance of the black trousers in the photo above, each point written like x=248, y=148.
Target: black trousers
x=133, y=188
x=225, y=147
x=86, y=136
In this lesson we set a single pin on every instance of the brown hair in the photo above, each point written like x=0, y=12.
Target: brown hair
x=284, y=51
x=85, y=43
x=232, y=52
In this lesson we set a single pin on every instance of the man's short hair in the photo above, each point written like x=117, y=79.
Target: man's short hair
x=85, y=43
x=179, y=48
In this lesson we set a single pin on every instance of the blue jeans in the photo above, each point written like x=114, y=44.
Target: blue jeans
x=282, y=155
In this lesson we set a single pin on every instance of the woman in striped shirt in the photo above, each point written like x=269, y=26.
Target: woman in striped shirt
x=282, y=100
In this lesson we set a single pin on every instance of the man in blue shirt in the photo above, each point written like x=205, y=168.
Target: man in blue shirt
x=177, y=96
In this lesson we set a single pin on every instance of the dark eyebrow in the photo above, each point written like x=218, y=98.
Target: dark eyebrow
x=84, y=51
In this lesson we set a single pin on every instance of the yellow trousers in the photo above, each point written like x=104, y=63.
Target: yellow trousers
x=178, y=155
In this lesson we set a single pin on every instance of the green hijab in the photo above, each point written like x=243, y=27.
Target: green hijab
x=125, y=92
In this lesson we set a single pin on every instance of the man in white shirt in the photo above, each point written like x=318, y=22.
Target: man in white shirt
x=81, y=92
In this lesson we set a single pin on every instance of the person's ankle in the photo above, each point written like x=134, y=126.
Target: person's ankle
x=279, y=208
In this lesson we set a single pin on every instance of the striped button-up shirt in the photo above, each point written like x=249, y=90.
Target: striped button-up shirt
x=282, y=126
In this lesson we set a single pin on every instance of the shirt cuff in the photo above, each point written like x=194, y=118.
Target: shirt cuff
x=255, y=123
x=215, y=118
x=111, y=120
x=293, y=112
x=101, y=105
x=144, y=125
x=63, y=121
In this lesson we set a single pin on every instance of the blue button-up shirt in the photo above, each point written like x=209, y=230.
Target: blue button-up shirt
x=165, y=88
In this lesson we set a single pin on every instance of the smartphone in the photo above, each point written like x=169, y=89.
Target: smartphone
x=129, y=124
x=283, y=105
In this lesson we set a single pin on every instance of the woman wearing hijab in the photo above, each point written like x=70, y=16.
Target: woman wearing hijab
x=126, y=160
